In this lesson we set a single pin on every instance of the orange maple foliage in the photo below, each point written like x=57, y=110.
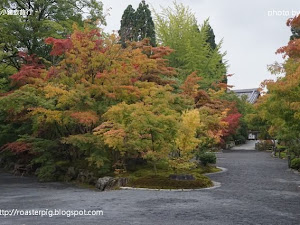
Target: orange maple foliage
x=85, y=118
x=17, y=147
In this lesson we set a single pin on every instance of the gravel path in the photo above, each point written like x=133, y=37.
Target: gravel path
x=256, y=189
x=250, y=145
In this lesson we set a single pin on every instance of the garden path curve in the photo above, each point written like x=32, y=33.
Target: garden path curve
x=256, y=189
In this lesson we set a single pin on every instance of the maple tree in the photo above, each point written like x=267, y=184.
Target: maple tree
x=42, y=19
x=30, y=69
x=17, y=147
x=101, y=104
x=277, y=112
x=186, y=141
x=146, y=128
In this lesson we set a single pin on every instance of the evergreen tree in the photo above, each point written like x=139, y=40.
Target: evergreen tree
x=127, y=30
x=137, y=25
x=144, y=23
x=212, y=42
x=211, y=37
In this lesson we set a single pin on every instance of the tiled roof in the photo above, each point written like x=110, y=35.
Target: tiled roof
x=252, y=94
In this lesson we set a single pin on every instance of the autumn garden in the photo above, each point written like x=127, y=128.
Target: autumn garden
x=146, y=103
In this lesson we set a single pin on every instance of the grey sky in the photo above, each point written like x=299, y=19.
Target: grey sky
x=251, y=31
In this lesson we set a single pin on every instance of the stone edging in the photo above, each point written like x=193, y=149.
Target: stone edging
x=221, y=168
x=216, y=185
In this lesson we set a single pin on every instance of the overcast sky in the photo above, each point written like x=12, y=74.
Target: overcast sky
x=251, y=31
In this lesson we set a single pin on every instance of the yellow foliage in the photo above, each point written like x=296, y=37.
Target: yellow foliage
x=48, y=116
x=186, y=140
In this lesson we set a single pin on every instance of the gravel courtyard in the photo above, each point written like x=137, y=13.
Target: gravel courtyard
x=256, y=189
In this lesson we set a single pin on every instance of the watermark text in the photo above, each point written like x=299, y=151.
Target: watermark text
x=49, y=212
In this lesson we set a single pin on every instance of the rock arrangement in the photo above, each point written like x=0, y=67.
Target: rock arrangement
x=103, y=183
x=111, y=183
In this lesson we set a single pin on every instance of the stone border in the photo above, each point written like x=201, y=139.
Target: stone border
x=221, y=168
x=216, y=185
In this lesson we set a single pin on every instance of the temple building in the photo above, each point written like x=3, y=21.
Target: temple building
x=252, y=94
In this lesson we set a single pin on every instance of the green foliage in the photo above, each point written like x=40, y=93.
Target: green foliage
x=143, y=177
x=92, y=148
x=127, y=29
x=162, y=182
x=208, y=158
x=5, y=72
x=47, y=18
x=101, y=104
x=147, y=128
x=277, y=112
x=137, y=25
x=194, y=47
x=246, y=110
x=144, y=23
x=46, y=173
x=295, y=163
x=211, y=37
x=293, y=147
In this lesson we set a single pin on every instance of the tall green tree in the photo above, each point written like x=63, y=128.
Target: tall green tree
x=211, y=37
x=195, y=47
x=145, y=24
x=127, y=30
x=137, y=25
x=212, y=42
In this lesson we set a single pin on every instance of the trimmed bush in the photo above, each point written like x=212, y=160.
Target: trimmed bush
x=295, y=163
x=162, y=182
x=207, y=158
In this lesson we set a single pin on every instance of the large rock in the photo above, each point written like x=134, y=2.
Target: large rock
x=102, y=182
x=110, y=183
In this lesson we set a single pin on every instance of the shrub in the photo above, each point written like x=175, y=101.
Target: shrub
x=295, y=163
x=208, y=157
x=162, y=182
x=46, y=173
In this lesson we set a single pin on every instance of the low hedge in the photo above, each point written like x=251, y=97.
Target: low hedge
x=162, y=182
x=295, y=164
